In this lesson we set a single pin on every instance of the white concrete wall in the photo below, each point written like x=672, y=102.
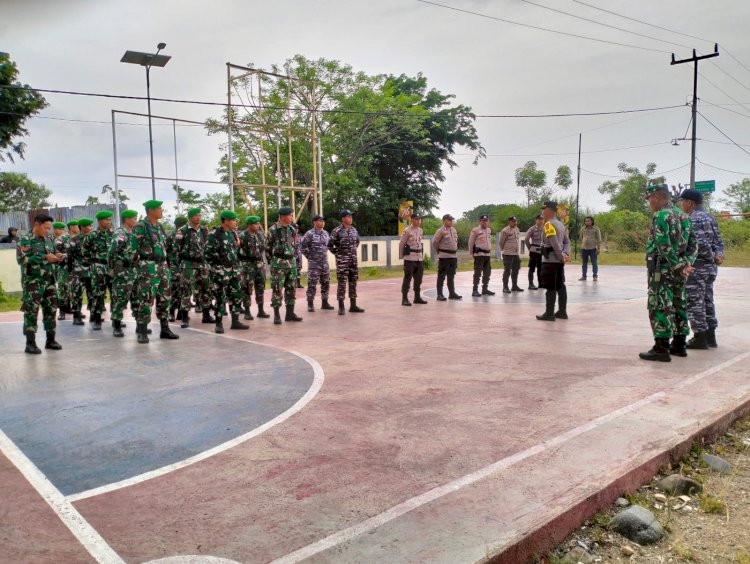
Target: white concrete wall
x=10, y=272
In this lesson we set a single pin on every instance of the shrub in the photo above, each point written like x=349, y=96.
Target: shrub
x=736, y=234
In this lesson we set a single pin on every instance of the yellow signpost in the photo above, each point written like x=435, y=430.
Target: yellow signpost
x=405, y=209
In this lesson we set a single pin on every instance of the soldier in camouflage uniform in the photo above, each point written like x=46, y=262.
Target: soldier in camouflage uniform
x=95, y=250
x=123, y=270
x=63, y=282
x=173, y=258
x=36, y=255
x=689, y=250
x=315, y=248
x=280, y=253
x=700, y=284
x=297, y=253
x=195, y=276
x=667, y=263
x=252, y=250
x=149, y=246
x=221, y=253
x=76, y=268
x=343, y=243
x=58, y=242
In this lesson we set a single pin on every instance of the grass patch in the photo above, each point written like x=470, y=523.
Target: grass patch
x=638, y=498
x=11, y=302
x=683, y=551
x=711, y=504
x=742, y=558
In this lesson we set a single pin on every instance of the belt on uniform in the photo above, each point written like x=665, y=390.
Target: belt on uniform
x=448, y=251
x=481, y=251
x=250, y=259
x=97, y=261
x=283, y=256
x=189, y=259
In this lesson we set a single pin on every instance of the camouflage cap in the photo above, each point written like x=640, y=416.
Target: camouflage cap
x=180, y=220
x=85, y=222
x=286, y=210
x=73, y=223
x=193, y=211
x=228, y=214
x=104, y=214
x=152, y=204
x=128, y=213
x=252, y=219
x=58, y=225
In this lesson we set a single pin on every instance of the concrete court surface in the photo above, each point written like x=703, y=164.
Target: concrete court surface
x=450, y=432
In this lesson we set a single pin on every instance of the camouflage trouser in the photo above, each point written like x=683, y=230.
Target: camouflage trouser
x=283, y=276
x=253, y=278
x=39, y=291
x=124, y=290
x=700, y=298
x=346, y=271
x=99, y=283
x=667, y=308
x=298, y=262
x=63, y=289
x=86, y=280
x=318, y=271
x=195, y=278
x=225, y=284
x=154, y=284
x=175, y=275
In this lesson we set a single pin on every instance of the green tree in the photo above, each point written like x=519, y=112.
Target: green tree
x=534, y=181
x=19, y=193
x=17, y=104
x=186, y=199
x=110, y=193
x=92, y=201
x=738, y=196
x=628, y=193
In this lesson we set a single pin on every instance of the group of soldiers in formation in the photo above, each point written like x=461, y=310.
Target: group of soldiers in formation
x=220, y=269
x=142, y=266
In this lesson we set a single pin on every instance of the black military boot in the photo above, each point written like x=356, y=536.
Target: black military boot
x=516, y=288
x=171, y=314
x=562, y=304
x=51, y=343
x=290, y=315
x=117, y=328
x=342, y=309
x=353, y=308
x=207, y=316
x=698, y=342
x=185, y=318
x=486, y=292
x=237, y=324
x=326, y=305
x=248, y=315
x=440, y=296
x=61, y=315
x=276, y=316
x=531, y=283
x=141, y=330
x=475, y=293
x=97, y=319
x=219, y=328
x=261, y=312
x=549, y=312
x=417, y=299
x=310, y=306
x=452, y=295
x=77, y=318
x=659, y=352
x=405, y=299
x=711, y=338
x=677, y=347
x=31, y=347
x=506, y=290
x=299, y=283
x=166, y=332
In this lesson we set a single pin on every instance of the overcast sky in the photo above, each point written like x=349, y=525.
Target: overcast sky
x=492, y=66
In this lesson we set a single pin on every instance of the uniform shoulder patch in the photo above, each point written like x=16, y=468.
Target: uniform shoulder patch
x=549, y=229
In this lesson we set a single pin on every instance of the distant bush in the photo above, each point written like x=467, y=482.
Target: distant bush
x=736, y=234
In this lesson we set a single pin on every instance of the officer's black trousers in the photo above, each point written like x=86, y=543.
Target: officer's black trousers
x=412, y=269
x=482, y=267
x=446, y=269
x=511, y=264
x=553, y=278
x=535, y=263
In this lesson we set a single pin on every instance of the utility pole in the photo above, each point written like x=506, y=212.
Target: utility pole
x=694, y=59
x=578, y=196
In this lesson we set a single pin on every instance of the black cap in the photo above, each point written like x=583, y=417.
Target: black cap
x=550, y=206
x=483, y=216
x=318, y=217
x=540, y=216
x=448, y=216
x=513, y=218
x=693, y=195
x=344, y=213
x=415, y=215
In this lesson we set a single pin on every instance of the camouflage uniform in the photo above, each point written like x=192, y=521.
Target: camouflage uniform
x=298, y=254
x=252, y=249
x=195, y=277
x=38, y=277
x=343, y=243
x=699, y=286
x=315, y=248
x=123, y=269
x=221, y=254
x=149, y=246
x=95, y=250
x=280, y=253
x=76, y=266
x=61, y=275
x=173, y=259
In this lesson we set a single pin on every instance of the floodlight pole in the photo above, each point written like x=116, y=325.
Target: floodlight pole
x=117, y=188
x=229, y=136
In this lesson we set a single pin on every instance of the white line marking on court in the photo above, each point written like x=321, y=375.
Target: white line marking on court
x=82, y=529
x=318, y=379
x=455, y=485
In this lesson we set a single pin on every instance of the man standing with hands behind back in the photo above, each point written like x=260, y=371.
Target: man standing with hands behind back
x=445, y=243
x=480, y=242
x=510, y=238
x=555, y=253
x=410, y=248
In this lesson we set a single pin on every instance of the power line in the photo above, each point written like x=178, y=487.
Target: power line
x=576, y=152
x=539, y=28
x=722, y=107
x=740, y=147
x=722, y=169
x=54, y=118
x=735, y=58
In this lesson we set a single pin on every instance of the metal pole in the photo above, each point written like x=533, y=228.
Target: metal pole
x=278, y=175
x=578, y=195
x=117, y=189
x=229, y=136
x=176, y=176
x=150, y=133
x=320, y=176
x=695, y=111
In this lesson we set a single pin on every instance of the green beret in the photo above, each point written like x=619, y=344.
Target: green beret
x=654, y=188
x=193, y=211
x=128, y=213
x=286, y=210
x=85, y=222
x=58, y=225
x=104, y=214
x=180, y=220
x=228, y=214
x=253, y=219
x=152, y=204
x=73, y=223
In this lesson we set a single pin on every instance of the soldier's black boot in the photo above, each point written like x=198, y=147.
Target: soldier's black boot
x=326, y=305
x=248, y=315
x=698, y=341
x=531, y=283
x=417, y=298
x=31, y=347
x=51, y=343
x=290, y=315
x=171, y=314
x=486, y=292
x=61, y=315
x=562, y=304
x=440, y=296
x=117, y=328
x=299, y=283
x=219, y=328
x=97, y=319
x=310, y=306
x=261, y=312
x=276, y=316
x=166, y=332
x=452, y=295
x=549, y=312
x=342, y=309
x=207, y=316
x=353, y=308
x=237, y=324
x=141, y=330
x=185, y=318
x=506, y=290
x=475, y=293
x=77, y=318
x=677, y=347
x=659, y=352
x=405, y=299
x=711, y=338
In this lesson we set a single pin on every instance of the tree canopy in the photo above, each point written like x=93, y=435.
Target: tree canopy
x=19, y=193
x=737, y=196
x=17, y=104
x=534, y=181
x=628, y=193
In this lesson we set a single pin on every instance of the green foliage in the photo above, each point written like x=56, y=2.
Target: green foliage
x=92, y=201
x=16, y=106
x=735, y=233
x=628, y=230
x=628, y=193
x=738, y=196
x=186, y=199
x=112, y=196
x=19, y=193
x=3, y=295
x=431, y=224
x=534, y=181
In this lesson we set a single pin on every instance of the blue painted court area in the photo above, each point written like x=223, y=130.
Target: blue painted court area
x=104, y=409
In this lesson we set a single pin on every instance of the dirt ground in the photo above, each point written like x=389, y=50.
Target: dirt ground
x=710, y=527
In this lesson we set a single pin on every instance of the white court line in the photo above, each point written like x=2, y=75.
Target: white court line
x=82, y=529
x=299, y=404
x=441, y=491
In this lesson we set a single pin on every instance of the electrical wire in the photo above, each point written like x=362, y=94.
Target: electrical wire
x=740, y=147
x=722, y=169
